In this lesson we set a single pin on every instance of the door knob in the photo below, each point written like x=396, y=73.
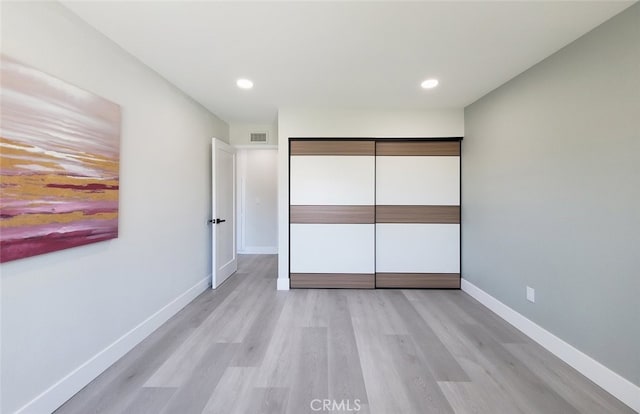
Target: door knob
x=220, y=221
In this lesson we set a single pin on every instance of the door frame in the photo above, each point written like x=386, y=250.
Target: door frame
x=241, y=164
x=291, y=139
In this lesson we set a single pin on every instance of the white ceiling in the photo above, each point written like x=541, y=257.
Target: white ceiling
x=340, y=54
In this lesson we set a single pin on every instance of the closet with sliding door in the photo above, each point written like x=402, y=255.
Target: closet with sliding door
x=374, y=213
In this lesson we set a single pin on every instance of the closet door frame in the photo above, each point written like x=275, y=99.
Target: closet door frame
x=457, y=139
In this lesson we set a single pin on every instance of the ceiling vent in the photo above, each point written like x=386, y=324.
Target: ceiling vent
x=258, y=138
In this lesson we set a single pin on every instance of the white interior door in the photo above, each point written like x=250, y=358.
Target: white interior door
x=223, y=209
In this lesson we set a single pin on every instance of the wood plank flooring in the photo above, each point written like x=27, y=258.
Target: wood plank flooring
x=246, y=348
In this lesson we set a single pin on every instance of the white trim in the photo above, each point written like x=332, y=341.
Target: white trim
x=283, y=283
x=613, y=383
x=241, y=202
x=259, y=250
x=257, y=146
x=65, y=388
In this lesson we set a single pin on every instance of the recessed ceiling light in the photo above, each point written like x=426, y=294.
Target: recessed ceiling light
x=244, y=84
x=429, y=83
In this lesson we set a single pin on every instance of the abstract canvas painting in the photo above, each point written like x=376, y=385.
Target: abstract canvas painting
x=59, y=164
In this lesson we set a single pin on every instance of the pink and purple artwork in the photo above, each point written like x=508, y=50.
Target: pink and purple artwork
x=59, y=164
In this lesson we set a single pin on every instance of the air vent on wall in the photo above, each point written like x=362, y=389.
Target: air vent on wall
x=258, y=138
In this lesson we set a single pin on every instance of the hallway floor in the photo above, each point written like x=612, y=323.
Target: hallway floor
x=246, y=348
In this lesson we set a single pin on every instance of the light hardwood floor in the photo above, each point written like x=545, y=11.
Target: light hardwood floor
x=246, y=348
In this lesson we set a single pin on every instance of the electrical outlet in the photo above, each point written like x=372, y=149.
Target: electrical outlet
x=531, y=294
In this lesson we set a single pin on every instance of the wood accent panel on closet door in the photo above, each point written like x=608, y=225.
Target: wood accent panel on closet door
x=418, y=280
x=333, y=280
x=332, y=214
x=333, y=147
x=418, y=214
x=416, y=148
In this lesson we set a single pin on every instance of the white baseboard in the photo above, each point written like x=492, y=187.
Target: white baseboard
x=613, y=383
x=283, y=283
x=65, y=388
x=258, y=250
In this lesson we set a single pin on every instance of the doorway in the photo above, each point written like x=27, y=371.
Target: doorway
x=257, y=201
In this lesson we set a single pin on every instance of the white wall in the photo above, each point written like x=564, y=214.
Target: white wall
x=336, y=123
x=239, y=133
x=257, y=201
x=551, y=195
x=62, y=309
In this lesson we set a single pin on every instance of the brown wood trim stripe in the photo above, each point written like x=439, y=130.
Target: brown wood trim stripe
x=332, y=214
x=418, y=280
x=333, y=147
x=441, y=148
x=333, y=280
x=418, y=214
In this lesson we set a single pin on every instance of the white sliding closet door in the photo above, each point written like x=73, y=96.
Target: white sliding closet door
x=418, y=214
x=332, y=214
